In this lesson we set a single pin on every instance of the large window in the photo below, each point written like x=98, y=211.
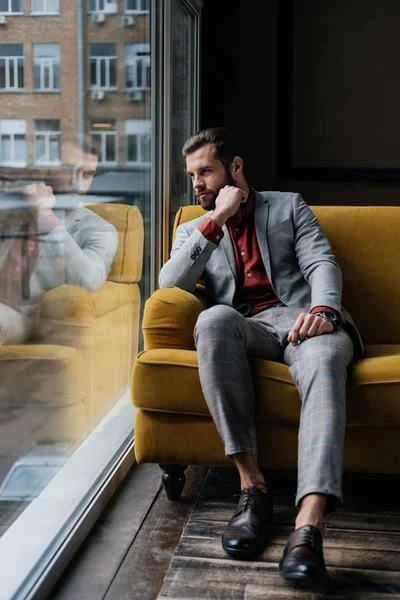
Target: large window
x=137, y=141
x=137, y=66
x=108, y=6
x=13, y=142
x=103, y=66
x=11, y=67
x=104, y=135
x=11, y=6
x=78, y=257
x=46, y=67
x=46, y=7
x=137, y=6
x=47, y=141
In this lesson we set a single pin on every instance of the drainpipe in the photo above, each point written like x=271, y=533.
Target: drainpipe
x=81, y=73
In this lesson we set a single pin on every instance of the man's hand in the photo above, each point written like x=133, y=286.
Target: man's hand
x=39, y=197
x=308, y=325
x=227, y=203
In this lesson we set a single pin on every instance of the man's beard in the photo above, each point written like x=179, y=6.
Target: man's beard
x=209, y=202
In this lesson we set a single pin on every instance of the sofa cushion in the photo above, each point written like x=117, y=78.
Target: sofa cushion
x=167, y=380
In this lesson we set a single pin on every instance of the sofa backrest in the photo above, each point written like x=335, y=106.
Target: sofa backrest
x=366, y=243
x=128, y=261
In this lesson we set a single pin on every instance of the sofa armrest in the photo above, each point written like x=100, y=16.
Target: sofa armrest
x=169, y=318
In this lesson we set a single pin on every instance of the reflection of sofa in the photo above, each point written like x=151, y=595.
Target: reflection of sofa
x=58, y=388
x=173, y=425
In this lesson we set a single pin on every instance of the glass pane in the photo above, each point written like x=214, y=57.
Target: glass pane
x=113, y=72
x=46, y=75
x=11, y=50
x=54, y=148
x=40, y=148
x=56, y=75
x=103, y=73
x=146, y=148
x=20, y=73
x=132, y=148
x=110, y=148
x=2, y=73
x=16, y=5
x=92, y=5
x=6, y=148
x=103, y=50
x=20, y=148
x=53, y=6
x=11, y=74
x=46, y=51
x=36, y=76
x=38, y=5
x=93, y=72
x=3, y=5
x=28, y=481
x=47, y=125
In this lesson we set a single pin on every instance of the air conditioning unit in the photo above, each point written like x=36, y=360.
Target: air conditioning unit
x=98, y=18
x=135, y=95
x=127, y=21
x=97, y=95
x=3, y=20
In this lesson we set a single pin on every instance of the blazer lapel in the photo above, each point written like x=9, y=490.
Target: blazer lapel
x=261, y=213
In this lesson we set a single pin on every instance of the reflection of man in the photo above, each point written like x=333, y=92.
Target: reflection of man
x=45, y=245
x=277, y=292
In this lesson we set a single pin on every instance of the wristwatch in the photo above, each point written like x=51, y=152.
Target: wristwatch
x=329, y=316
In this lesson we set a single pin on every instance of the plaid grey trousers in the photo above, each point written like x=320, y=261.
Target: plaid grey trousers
x=224, y=338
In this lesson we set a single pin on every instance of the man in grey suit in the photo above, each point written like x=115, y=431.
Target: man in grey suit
x=43, y=246
x=277, y=291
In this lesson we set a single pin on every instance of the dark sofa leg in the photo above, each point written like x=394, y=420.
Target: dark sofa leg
x=173, y=480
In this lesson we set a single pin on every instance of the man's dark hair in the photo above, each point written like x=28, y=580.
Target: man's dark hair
x=225, y=141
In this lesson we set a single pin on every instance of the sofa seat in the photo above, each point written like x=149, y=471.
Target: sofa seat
x=373, y=397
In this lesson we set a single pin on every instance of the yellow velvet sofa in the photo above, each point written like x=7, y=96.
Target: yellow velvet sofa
x=173, y=426
x=58, y=388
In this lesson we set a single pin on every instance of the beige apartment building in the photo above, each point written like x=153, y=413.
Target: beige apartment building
x=69, y=68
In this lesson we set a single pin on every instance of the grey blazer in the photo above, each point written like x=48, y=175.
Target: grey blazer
x=78, y=252
x=296, y=254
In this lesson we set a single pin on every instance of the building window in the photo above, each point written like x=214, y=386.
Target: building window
x=137, y=141
x=137, y=66
x=45, y=7
x=46, y=67
x=13, y=142
x=103, y=66
x=107, y=6
x=11, y=7
x=47, y=142
x=11, y=67
x=104, y=135
x=137, y=6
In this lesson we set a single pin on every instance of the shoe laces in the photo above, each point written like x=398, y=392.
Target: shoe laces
x=248, y=494
x=305, y=536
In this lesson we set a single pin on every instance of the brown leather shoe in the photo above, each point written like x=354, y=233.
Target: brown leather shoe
x=247, y=532
x=303, y=559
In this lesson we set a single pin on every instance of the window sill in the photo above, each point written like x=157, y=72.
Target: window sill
x=12, y=14
x=18, y=91
x=137, y=12
x=58, y=91
x=13, y=164
x=99, y=89
x=45, y=14
x=48, y=164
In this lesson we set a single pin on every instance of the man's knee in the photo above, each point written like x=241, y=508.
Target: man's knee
x=219, y=317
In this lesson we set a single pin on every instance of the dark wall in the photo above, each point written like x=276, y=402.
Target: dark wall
x=239, y=77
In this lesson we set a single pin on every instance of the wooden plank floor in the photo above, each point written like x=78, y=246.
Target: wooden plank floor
x=361, y=544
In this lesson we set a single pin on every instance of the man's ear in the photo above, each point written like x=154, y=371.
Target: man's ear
x=237, y=165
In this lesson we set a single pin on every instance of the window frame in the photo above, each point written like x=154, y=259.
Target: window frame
x=98, y=60
x=14, y=60
x=43, y=61
x=135, y=11
x=103, y=145
x=133, y=64
x=46, y=134
x=45, y=11
x=12, y=134
x=140, y=136
x=104, y=11
x=10, y=11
